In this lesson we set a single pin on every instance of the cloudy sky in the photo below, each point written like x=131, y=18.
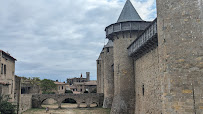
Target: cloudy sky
x=59, y=39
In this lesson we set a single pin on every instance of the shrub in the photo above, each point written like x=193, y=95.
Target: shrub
x=6, y=107
x=68, y=91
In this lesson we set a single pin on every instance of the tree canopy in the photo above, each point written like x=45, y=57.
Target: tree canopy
x=47, y=86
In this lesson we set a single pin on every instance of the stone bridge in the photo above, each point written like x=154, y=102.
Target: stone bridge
x=88, y=98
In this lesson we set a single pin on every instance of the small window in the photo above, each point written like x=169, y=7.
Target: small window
x=4, y=69
x=80, y=89
x=97, y=62
x=143, y=89
x=112, y=67
x=107, y=49
x=59, y=87
x=62, y=87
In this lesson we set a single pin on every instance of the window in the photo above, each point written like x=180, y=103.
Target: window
x=62, y=87
x=4, y=69
x=59, y=87
x=143, y=89
x=80, y=89
x=107, y=49
x=112, y=67
x=97, y=61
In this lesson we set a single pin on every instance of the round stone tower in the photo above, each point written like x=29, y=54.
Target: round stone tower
x=123, y=33
x=108, y=75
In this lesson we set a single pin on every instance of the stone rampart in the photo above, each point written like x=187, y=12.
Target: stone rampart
x=180, y=39
x=108, y=77
x=148, y=84
x=25, y=102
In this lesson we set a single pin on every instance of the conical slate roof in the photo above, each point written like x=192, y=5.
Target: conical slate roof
x=129, y=13
x=109, y=44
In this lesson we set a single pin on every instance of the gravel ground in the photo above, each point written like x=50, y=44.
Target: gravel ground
x=68, y=109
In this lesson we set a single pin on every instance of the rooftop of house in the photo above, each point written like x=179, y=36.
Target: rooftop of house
x=4, y=83
x=93, y=82
x=8, y=55
x=60, y=83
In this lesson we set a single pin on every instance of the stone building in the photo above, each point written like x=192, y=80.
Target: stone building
x=80, y=85
x=7, y=75
x=70, y=81
x=60, y=87
x=158, y=65
x=28, y=86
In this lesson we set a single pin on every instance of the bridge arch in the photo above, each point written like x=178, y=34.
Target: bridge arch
x=48, y=98
x=38, y=99
x=68, y=97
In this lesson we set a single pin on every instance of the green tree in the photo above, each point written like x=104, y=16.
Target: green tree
x=68, y=91
x=47, y=86
x=35, y=80
x=6, y=107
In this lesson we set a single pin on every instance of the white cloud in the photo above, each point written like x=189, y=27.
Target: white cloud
x=60, y=38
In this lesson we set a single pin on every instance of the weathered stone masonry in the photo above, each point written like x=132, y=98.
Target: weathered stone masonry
x=164, y=60
x=180, y=38
x=88, y=98
x=108, y=75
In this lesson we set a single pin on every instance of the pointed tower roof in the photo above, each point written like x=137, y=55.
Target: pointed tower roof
x=129, y=13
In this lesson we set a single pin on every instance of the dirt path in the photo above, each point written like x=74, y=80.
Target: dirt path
x=68, y=109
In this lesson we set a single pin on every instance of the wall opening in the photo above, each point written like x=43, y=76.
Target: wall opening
x=93, y=105
x=69, y=103
x=51, y=103
x=83, y=105
x=143, y=90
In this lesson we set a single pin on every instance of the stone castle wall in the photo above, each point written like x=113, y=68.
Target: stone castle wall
x=148, y=84
x=169, y=78
x=25, y=102
x=98, y=76
x=102, y=73
x=108, y=77
x=180, y=35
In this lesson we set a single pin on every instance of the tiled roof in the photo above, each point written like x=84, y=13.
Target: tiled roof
x=8, y=55
x=91, y=83
x=4, y=83
x=129, y=13
x=59, y=83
